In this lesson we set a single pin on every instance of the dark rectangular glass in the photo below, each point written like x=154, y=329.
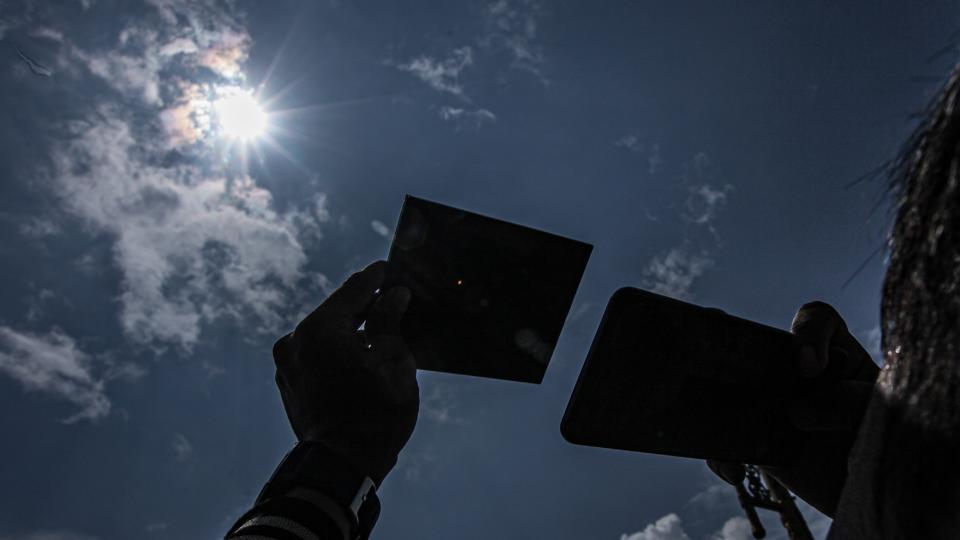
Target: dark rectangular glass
x=489, y=297
x=668, y=377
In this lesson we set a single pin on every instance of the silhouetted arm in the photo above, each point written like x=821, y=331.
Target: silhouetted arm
x=352, y=399
x=301, y=514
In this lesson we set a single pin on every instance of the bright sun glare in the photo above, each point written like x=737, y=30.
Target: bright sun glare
x=239, y=115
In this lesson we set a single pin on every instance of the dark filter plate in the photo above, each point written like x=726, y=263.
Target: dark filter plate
x=489, y=297
x=673, y=378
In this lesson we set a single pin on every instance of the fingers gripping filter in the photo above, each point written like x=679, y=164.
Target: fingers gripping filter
x=489, y=297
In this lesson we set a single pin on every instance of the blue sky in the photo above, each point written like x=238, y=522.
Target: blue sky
x=706, y=149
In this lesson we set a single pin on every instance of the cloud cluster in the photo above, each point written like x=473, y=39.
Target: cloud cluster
x=637, y=144
x=442, y=75
x=439, y=402
x=52, y=363
x=473, y=119
x=195, y=240
x=417, y=463
x=735, y=528
x=669, y=527
x=674, y=272
x=380, y=228
x=631, y=142
x=717, y=506
x=508, y=25
x=182, y=448
x=514, y=25
x=704, y=202
x=193, y=245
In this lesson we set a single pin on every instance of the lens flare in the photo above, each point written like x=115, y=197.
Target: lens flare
x=239, y=116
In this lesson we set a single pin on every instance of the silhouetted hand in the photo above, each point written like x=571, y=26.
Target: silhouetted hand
x=843, y=375
x=354, y=391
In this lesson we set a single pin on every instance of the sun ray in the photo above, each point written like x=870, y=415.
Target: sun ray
x=322, y=107
x=276, y=96
x=329, y=144
x=278, y=148
x=295, y=19
x=265, y=80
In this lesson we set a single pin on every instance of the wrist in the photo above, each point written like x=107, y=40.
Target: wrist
x=338, y=515
x=311, y=467
x=356, y=454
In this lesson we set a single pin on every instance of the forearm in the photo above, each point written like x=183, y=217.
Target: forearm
x=314, y=494
x=352, y=400
x=301, y=514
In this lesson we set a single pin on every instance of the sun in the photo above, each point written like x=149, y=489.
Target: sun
x=239, y=115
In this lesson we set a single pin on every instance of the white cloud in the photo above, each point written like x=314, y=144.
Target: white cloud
x=117, y=370
x=36, y=303
x=182, y=448
x=416, y=463
x=717, y=507
x=633, y=142
x=738, y=527
x=630, y=141
x=704, y=202
x=713, y=496
x=513, y=25
x=187, y=31
x=720, y=499
x=379, y=228
x=464, y=117
x=669, y=527
x=130, y=74
x=52, y=363
x=193, y=246
x=735, y=528
x=674, y=273
x=213, y=37
x=45, y=32
x=195, y=33
x=438, y=403
x=180, y=45
x=442, y=75
x=194, y=241
x=654, y=161
x=39, y=227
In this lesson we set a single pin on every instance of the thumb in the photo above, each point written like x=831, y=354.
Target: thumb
x=387, y=311
x=390, y=361
x=814, y=326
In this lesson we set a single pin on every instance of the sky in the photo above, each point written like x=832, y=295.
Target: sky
x=709, y=151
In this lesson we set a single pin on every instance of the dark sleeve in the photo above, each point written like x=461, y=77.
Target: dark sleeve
x=301, y=514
